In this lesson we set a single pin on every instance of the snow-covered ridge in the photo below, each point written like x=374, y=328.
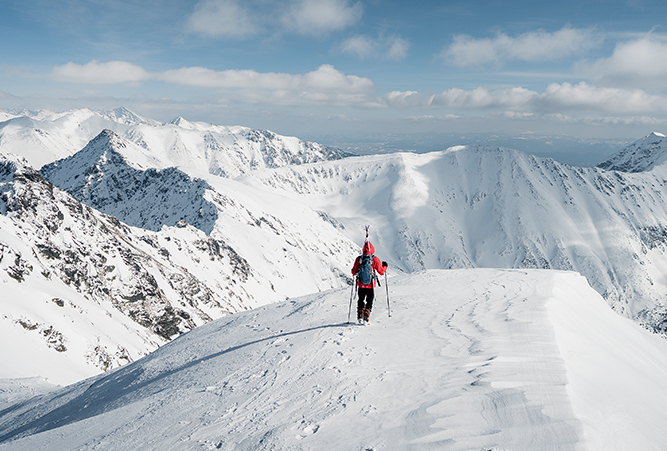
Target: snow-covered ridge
x=122, y=179
x=43, y=137
x=491, y=207
x=63, y=256
x=58, y=256
x=640, y=156
x=518, y=360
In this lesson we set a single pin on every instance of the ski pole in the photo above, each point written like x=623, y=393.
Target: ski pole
x=349, y=312
x=387, y=287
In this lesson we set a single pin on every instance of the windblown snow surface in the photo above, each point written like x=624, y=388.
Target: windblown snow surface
x=477, y=359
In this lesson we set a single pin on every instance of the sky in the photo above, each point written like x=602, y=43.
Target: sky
x=346, y=70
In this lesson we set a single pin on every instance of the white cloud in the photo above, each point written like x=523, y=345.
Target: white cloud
x=398, y=48
x=640, y=63
x=479, y=98
x=221, y=18
x=392, y=47
x=585, y=97
x=564, y=97
x=94, y=72
x=361, y=46
x=317, y=17
x=328, y=86
x=533, y=46
x=325, y=79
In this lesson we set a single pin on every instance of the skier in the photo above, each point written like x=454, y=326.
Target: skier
x=365, y=268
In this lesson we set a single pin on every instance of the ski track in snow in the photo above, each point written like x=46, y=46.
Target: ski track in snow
x=469, y=360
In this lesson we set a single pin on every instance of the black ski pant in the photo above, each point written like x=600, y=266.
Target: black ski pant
x=366, y=296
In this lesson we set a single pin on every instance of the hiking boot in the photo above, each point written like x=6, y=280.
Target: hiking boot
x=367, y=315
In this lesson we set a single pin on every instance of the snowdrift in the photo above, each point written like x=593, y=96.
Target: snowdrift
x=470, y=360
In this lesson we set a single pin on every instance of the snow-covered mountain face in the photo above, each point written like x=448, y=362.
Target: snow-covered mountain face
x=295, y=249
x=245, y=218
x=480, y=359
x=123, y=180
x=485, y=207
x=92, y=293
x=91, y=289
x=226, y=151
x=43, y=137
x=640, y=156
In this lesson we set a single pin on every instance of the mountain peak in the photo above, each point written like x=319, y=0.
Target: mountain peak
x=181, y=122
x=100, y=147
x=122, y=115
x=111, y=164
x=108, y=135
x=641, y=156
x=11, y=164
x=109, y=144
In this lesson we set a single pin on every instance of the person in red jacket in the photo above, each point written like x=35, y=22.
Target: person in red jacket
x=365, y=268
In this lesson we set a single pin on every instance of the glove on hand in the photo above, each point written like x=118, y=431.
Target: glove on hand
x=384, y=264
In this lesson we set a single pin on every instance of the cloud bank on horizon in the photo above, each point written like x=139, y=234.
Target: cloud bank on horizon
x=329, y=63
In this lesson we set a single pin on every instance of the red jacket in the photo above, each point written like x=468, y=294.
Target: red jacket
x=376, y=265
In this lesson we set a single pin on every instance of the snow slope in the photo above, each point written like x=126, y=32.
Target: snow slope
x=84, y=292
x=470, y=360
x=492, y=207
x=642, y=155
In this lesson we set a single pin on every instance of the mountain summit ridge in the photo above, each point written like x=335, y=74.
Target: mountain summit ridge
x=230, y=151
x=498, y=360
x=115, y=176
x=641, y=156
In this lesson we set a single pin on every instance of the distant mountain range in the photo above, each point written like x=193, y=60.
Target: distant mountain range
x=43, y=137
x=163, y=227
